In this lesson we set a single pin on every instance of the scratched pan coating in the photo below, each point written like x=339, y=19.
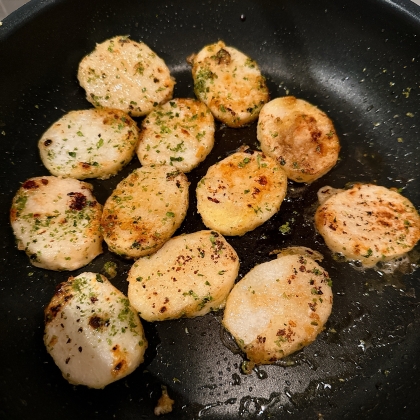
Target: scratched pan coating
x=356, y=60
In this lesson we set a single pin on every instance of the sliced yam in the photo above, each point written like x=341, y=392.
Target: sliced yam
x=91, y=143
x=189, y=276
x=91, y=331
x=179, y=133
x=241, y=192
x=368, y=223
x=127, y=75
x=279, y=307
x=299, y=136
x=145, y=210
x=56, y=221
x=229, y=83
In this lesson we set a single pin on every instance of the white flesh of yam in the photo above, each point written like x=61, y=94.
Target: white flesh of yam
x=56, y=221
x=189, y=276
x=241, y=192
x=229, y=83
x=179, y=133
x=144, y=210
x=299, y=136
x=279, y=307
x=368, y=223
x=127, y=75
x=92, y=333
x=91, y=143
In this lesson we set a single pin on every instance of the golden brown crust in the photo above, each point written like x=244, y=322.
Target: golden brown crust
x=229, y=83
x=241, y=192
x=144, y=210
x=300, y=136
x=368, y=223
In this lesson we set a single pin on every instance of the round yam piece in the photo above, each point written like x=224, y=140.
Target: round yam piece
x=91, y=331
x=229, y=83
x=127, y=75
x=56, y=221
x=91, y=143
x=189, y=276
x=179, y=133
x=145, y=210
x=299, y=136
x=368, y=223
x=279, y=307
x=241, y=192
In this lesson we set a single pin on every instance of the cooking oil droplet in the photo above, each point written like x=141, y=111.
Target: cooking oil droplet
x=243, y=18
x=261, y=374
x=236, y=379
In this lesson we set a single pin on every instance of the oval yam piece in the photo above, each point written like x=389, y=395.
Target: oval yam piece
x=299, y=136
x=93, y=334
x=368, y=223
x=145, y=210
x=189, y=276
x=91, y=143
x=279, y=307
x=124, y=74
x=229, y=83
x=179, y=133
x=56, y=221
x=241, y=192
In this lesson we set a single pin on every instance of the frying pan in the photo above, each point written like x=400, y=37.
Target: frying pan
x=358, y=60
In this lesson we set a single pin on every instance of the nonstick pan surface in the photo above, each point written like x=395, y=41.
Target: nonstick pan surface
x=358, y=60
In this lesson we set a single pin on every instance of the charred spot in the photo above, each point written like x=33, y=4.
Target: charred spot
x=48, y=142
x=67, y=360
x=118, y=366
x=93, y=299
x=30, y=184
x=80, y=330
x=256, y=191
x=312, y=306
x=123, y=41
x=281, y=333
x=163, y=309
x=214, y=200
x=262, y=180
x=85, y=165
x=302, y=268
x=52, y=312
x=261, y=340
x=222, y=57
x=80, y=349
x=78, y=200
x=156, y=80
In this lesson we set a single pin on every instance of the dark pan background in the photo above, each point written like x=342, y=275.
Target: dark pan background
x=358, y=60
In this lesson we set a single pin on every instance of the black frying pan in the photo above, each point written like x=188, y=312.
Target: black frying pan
x=358, y=60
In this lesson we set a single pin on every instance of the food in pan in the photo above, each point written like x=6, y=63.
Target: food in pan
x=92, y=332
x=241, y=192
x=56, y=222
x=144, y=210
x=279, y=306
x=229, y=83
x=179, y=133
x=299, y=136
x=367, y=223
x=127, y=75
x=189, y=276
x=90, y=143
